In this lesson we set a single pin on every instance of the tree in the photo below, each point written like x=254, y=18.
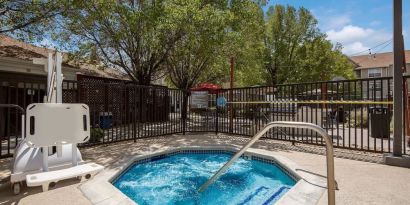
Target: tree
x=296, y=50
x=202, y=25
x=133, y=36
x=248, y=25
x=244, y=42
x=320, y=60
x=287, y=30
x=27, y=17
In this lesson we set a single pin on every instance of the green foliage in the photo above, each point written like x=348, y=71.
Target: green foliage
x=96, y=134
x=296, y=50
x=319, y=61
x=202, y=26
x=245, y=43
x=135, y=37
x=187, y=41
x=213, y=34
x=359, y=118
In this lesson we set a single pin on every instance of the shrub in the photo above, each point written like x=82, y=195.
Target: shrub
x=96, y=134
x=359, y=118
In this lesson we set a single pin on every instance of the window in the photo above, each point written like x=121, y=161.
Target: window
x=375, y=72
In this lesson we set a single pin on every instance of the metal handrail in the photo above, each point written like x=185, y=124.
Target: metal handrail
x=331, y=185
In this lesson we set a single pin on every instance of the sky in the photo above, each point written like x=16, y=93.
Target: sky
x=358, y=25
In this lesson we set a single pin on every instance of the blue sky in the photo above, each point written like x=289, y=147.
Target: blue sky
x=357, y=24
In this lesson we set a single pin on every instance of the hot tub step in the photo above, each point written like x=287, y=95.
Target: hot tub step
x=260, y=191
x=276, y=194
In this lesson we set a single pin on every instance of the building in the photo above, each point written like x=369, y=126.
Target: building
x=376, y=66
x=23, y=82
x=16, y=61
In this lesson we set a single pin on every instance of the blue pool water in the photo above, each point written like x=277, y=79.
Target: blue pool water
x=175, y=180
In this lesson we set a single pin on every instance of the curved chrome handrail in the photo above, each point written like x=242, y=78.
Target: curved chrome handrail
x=331, y=185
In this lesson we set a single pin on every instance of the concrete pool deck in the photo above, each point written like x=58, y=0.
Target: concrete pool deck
x=363, y=180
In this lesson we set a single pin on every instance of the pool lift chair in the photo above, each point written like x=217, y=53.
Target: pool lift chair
x=48, y=150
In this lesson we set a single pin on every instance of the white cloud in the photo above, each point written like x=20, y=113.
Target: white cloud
x=349, y=34
x=356, y=39
x=354, y=48
x=335, y=22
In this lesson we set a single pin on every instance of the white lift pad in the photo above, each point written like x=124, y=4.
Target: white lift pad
x=44, y=179
x=49, y=124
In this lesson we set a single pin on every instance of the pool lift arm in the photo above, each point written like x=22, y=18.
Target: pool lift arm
x=331, y=183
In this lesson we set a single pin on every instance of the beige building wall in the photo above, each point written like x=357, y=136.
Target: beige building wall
x=385, y=87
x=376, y=89
x=27, y=67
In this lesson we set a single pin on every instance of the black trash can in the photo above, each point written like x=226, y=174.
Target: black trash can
x=105, y=120
x=341, y=117
x=379, y=122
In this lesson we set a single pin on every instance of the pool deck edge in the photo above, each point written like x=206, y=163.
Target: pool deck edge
x=308, y=189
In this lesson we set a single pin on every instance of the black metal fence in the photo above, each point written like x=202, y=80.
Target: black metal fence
x=359, y=126
x=121, y=110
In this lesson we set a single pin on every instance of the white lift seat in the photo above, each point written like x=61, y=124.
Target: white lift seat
x=44, y=179
x=50, y=124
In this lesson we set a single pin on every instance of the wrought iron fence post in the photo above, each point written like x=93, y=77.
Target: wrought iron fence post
x=230, y=111
x=141, y=109
x=216, y=112
x=184, y=111
x=134, y=113
x=183, y=126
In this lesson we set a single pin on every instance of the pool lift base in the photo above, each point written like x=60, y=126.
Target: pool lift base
x=48, y=150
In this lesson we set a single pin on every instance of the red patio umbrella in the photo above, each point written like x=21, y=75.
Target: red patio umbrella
x=211, y=88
